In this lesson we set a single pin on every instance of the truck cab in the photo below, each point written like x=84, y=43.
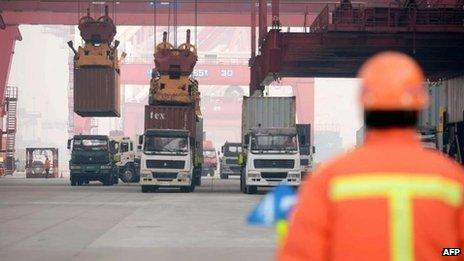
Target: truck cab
x=271, y=156
x=169, y=159
x=229, y=159
x=91, y=159
x=127, y=159
x=209, y=159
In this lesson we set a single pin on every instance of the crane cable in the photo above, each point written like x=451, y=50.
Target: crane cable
x=169, y=21
x=78, y=11
x=196, y=22
x=175, y=23
x=114, y=12
x=154, y=22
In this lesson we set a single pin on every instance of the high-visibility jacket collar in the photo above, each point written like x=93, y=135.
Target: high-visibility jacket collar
x=393, y=136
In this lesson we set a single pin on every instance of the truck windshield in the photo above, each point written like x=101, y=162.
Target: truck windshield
x=90, y=144
x=165, y=145
x=232, y=151
x=209, y=153
x=274, y=143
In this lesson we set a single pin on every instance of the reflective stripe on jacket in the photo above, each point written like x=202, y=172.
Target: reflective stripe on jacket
x=388, y=200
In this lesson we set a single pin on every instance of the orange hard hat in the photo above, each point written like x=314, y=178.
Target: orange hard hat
x=392, y=81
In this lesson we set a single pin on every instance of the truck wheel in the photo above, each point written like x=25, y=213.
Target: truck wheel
x=128, y=176
x=149, y=188
x=108, y=180
x=197, y=176
x=251, y=189
x=204, y=173
x=188, y=189
x=115, y=175
x=145, y=189
x=198, y=180
x=73, y=181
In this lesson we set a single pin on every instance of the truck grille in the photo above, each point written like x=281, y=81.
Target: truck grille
x=274, y=175
x=164, y=175
x=304, y=162
x=165, y=164
x=274, y=163
x=83, y=159
x=232, y=161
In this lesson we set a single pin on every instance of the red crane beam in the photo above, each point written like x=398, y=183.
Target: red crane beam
x=207, y=74
x=210, y=13
x=342, y=40
x=8, y=37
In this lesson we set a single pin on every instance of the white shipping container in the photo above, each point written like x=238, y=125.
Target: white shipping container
x=455, y=99
x=268, y=112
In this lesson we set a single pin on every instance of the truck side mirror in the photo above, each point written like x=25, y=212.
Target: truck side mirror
x=219, y=153
x=140, y=139
x=314, y=149
x=222, y=149
x=247, y=139
x=69, y=144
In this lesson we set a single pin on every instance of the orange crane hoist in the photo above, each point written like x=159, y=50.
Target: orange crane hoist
x=171, y=83
x=96, y=68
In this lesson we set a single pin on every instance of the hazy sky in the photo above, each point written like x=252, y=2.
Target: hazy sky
x=336, y=106
x=40, y=70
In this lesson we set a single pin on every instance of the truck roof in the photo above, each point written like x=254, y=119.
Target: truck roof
x=98, y=137
x=274, y=131
x=167, y=132
x=232, y=144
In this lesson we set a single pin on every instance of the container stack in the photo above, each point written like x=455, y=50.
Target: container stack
x=96, y=68
x=174, y=98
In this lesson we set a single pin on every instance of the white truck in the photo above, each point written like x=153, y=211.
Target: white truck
x=271, y=152
x=171, y=149
x=127, y=155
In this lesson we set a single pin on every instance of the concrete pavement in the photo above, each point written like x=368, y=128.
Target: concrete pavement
x=50, y=220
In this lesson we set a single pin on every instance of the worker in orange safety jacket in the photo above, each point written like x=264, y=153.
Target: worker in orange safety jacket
x=390, y=199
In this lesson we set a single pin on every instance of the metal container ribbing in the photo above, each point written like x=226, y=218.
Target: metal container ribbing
x=96, y=92
x=171, y=117
x=455, y=99
x=268, y=112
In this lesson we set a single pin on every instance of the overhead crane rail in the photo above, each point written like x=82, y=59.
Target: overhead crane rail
x=358, y=17
x=344, y=35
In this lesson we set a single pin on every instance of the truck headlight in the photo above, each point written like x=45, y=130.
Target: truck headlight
x=254, y=174
x=294, y=175
x=75, y=167
x=183, y=175
x=145, y=174
x=106, y=167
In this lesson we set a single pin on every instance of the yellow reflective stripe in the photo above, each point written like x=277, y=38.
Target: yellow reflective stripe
x=399, y=189
x=282, y=230
x=401, y=227
x=372, y=184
